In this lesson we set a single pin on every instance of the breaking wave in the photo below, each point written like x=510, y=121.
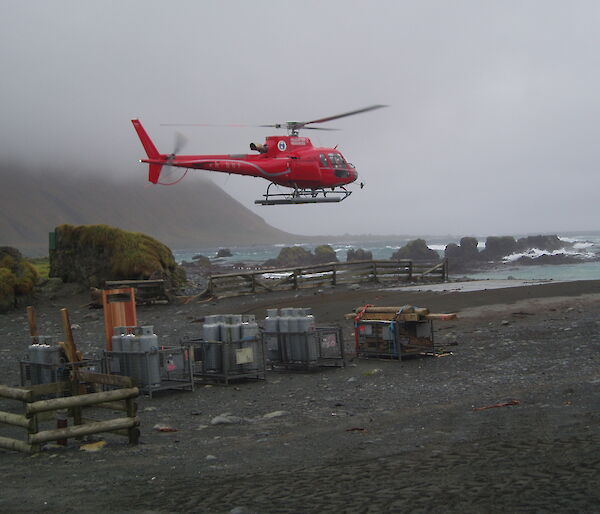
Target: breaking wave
x=534, y=253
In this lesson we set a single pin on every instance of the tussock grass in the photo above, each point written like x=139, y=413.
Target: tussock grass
x=18, y=278
x=122, y=254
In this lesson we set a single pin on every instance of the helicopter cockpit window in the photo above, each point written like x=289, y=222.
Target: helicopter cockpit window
x=323, y=160
x=336, y=160
x=339, y=164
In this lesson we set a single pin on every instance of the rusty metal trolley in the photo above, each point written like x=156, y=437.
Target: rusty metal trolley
x=394, y=339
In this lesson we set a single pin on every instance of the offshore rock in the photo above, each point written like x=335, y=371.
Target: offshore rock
x=416, y=250
x=498, y=247
x=358, y=255
x=463, y=256
x=324, y=253
x=291, y=256
x=548, y=243
x=466, y=257
x=201, y=260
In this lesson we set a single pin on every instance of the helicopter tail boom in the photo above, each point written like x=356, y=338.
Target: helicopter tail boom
x=153, y=155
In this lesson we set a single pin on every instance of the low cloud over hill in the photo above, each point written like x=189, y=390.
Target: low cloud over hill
x=193, y=213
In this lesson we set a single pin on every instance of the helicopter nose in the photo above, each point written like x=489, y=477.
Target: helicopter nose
x=354, y=174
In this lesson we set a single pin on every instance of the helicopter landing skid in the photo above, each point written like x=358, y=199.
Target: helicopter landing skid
x=300, y=196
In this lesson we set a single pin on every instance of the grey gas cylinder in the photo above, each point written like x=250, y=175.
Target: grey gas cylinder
x=271, y=327
x=147, y=343
x=213, y=357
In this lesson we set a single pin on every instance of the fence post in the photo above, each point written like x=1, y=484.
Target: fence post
x=253, y=283
x=31, y=430
x=410, y=271
x=333, y=276
x=296, y=273
x=375, y=272
x=133, y=432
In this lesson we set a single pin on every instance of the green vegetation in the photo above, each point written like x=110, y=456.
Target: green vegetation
x=17, y=277
x=94, y=253
x=41, y=265
x=324, y=253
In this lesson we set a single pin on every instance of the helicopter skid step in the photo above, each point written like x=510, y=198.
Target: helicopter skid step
x=304, y=196
x=286, y=201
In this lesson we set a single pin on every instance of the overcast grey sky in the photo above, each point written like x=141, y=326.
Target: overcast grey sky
x=492, y=126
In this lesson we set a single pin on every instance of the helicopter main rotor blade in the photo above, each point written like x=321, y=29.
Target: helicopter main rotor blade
x=351, y=113
x=319, y=128
x=294, y=124
x=235, y=125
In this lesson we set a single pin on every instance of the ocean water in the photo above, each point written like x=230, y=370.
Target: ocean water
x=587, y=247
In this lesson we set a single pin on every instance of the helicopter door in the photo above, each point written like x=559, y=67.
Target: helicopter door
x=305, y=172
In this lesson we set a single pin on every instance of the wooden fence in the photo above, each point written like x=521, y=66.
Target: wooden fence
x=36, y=410
x=318, y=275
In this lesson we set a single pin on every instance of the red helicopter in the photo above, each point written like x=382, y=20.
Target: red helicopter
x=315, y=175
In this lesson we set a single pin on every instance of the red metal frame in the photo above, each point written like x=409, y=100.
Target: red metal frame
x=120, y=312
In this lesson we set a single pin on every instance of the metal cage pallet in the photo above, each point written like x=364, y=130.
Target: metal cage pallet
x=158, y=370
x=305, y=350
x=37, y=373
x=394, y=339
x=223, y=361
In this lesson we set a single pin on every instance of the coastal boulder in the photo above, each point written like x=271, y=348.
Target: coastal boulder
x=498, y=247
x=93, y=254
x=359, y=255
x=324, y=254
x=547, y=243
x=224, y=252
x=18, y=278
x=415, y=250
x=201, y=260
x=290, y=256
x=463, y=255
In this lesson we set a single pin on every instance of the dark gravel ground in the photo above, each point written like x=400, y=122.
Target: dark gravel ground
x=375, y=436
